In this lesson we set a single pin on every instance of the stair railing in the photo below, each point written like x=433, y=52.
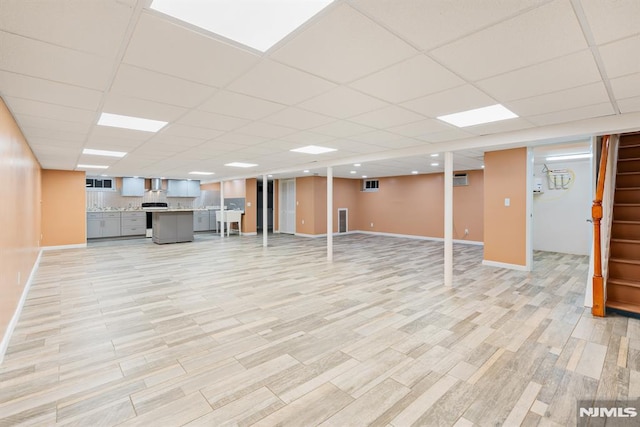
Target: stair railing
x=597, y=308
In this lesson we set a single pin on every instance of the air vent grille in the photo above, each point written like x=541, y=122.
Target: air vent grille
x=460, y=179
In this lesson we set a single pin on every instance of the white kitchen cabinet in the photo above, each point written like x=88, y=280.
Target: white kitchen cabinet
x=133, y=187
x=103, y=224
x=201, y=221
x=133, y=223
x=183, y=188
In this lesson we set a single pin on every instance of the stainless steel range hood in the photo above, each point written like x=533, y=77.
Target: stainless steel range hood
x=156, y=184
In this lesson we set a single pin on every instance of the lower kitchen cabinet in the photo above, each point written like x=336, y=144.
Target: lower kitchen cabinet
x=133, y=224
x=103, y=224
x=172, y=226
x=201, y=221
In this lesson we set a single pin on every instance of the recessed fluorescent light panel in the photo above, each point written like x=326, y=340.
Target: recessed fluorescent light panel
x=435, y=164
x=257, y=24
x=92, y=167
x=93, y=152
x=313, y=149
x=493, y=113
x=414, y=172
x=129, y=122
x=241, y=165
x=201, y=173
x=569, y=157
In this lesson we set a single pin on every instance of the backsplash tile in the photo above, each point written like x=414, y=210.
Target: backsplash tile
x=97, y=199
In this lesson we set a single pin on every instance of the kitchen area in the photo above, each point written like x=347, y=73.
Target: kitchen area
x=164, y=210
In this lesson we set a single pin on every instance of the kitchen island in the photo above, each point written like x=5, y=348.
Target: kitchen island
x=172, y=226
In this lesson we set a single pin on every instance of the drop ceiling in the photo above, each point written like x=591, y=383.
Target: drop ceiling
x=366, y=77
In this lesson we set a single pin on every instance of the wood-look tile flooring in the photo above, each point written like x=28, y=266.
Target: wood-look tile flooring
x=225, y=332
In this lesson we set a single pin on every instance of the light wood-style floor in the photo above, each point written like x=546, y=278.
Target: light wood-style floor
x=225, y=332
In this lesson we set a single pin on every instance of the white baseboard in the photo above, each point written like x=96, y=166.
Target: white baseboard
x=505, y=265
x=413, y=236
x=53, y=248
x=4, y=344
x=251, y=233
x=325, y=234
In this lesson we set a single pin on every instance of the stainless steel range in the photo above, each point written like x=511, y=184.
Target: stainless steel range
x=149, y=207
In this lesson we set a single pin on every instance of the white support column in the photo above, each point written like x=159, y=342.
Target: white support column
x=265, y=216
x=448, y=218
x=221, y=209
x=329, y=213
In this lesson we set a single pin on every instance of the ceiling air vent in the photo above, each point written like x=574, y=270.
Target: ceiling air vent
x=460, y=179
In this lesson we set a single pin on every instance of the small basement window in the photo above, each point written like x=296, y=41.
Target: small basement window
x=460, y=179
x=370, y=185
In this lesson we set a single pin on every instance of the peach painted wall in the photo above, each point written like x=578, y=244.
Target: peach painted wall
x=505, y=231
x=468, y=201
x=212, y=186
x=305, y=205
x=250, y=218
x=409, y=205
x=235, y=188
x=20, y=215
x=276, y=201
x=345, y=195
x=63, y=208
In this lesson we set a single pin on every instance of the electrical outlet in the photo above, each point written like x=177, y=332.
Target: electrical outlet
x=466, y=231
x=371, y=225
x=303, y=222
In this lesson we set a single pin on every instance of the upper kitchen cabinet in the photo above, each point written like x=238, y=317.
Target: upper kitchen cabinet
x=133, y=187
x=183, y=188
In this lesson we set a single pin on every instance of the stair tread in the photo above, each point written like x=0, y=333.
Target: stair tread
x=629, y=146
x=628, y=173
x=623, y=306
x=626, y=204
x=625, y=261
x=625, y=240
x=625, y=221
x=630, y=159
x=625, y=282
x=627, y=188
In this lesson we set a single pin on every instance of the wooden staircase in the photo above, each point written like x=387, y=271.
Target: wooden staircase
x=623, y=284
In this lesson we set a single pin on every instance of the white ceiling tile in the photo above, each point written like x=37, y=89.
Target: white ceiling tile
x=21, y=86
x=29, y=121
x=39, y=142
x=342, y=129
x=454, y=100
x=37, y=59
x=342, y=103
x=196, y=132
x=138, y=83
x=114, y=144
x=377, y=137
x=298, y=119
x=211, y=121
x=431, y=23
x=562, y=73
x=612, y=20
x=265, y=130
x=594, y=93
x=629, y=105
x=547, y=32
x=93, y=27
x=619, y=58
x=627, y=86
x=447, y=135
x=123, y=105
x=422, y=127
x=356, y=146
x=32, y=132
x=305, y=138
x=177, y=141
x=509, y=125
x=160, y=45
x=587, y=112
x=415, y=77
x=343, y=45
x=50, y=111
x=279, y=83
x=239, y=105
x=115, y=134
x=233, y=139
x=387, y=117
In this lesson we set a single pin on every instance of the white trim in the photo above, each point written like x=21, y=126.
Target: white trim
x=504, y=265
x=413, y=236
x=529, y=210
x=55, y=248
x=4, y=344
x=310, y=235
x=249, y=233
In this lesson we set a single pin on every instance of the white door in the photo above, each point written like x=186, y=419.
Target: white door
x=287, y=203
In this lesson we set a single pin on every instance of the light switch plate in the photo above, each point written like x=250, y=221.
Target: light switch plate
x=507, y=201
